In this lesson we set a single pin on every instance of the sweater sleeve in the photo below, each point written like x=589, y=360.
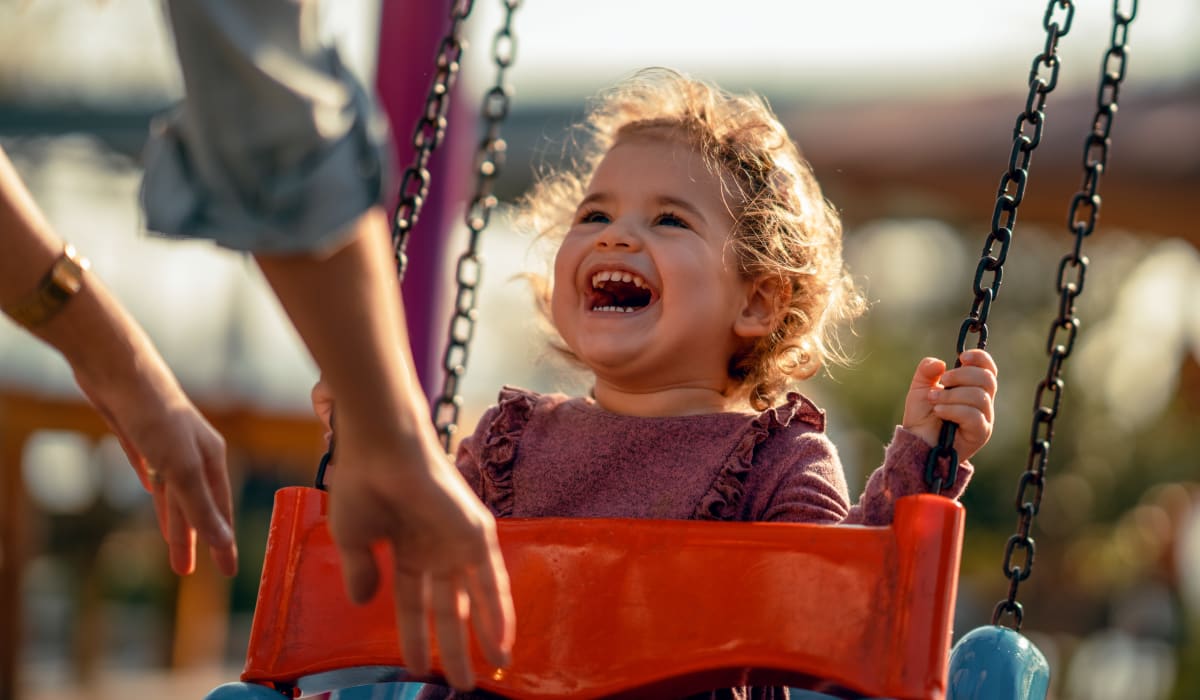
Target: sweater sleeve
x=801, y=479
x=804, y=484
x=901, y=474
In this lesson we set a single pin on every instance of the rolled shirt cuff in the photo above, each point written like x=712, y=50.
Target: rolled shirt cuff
x=276, y=148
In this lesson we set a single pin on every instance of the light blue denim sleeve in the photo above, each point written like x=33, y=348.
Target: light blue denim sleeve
x=276, y=147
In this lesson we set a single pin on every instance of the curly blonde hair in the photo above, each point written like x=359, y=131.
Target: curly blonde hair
x=785, y=229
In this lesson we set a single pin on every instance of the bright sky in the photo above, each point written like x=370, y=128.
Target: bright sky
x=866, y=46
x=570, y=48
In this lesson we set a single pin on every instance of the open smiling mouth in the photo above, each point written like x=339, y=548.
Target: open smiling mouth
x=619, y=292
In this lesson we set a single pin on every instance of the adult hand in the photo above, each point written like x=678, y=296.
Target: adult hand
x=180, y=460
x=447, y=560
x=964, y=395
x=177, y=454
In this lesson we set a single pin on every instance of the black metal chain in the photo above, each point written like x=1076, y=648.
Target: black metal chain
x=414, y=188
x=1043, y=78
x=1081, y=221
x=429, y=133
x=488, y=161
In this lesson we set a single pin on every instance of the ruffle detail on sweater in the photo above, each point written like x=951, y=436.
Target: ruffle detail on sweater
x=724, y=498
x=499, y=449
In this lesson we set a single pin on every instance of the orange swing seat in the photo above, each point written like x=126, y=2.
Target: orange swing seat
x=649, y=608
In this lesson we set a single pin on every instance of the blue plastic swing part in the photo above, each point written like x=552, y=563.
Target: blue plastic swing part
x=366, y=691
x=988, y=663
x=243, y=691
x=996, y=663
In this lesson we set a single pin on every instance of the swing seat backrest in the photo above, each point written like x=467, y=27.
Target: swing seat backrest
x=650, y=608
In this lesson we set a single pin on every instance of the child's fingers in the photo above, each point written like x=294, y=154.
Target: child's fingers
x=970, y=396
x=971, y=421
x=970, y=376
x=979, y=358
x=927, y=373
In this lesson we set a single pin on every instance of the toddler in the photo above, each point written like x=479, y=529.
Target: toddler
x=699, y=273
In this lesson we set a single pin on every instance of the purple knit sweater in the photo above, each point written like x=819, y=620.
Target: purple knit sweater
x=536, y=455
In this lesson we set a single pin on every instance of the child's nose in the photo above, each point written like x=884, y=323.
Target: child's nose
x=618, y=234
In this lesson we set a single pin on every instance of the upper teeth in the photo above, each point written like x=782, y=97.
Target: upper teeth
x=617, y=276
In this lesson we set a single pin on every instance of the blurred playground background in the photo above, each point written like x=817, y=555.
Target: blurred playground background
x=905, y=110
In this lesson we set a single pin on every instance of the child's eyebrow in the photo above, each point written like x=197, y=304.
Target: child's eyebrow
x=593, y=198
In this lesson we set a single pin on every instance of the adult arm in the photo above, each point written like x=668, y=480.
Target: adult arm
x=393, y=481
x=273, y=152
x=469, y=458
x=128, y=382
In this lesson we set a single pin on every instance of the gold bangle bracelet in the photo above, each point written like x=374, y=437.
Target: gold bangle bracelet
x=55, y=289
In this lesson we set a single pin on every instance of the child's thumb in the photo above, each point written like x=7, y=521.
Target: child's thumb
x=929, y=370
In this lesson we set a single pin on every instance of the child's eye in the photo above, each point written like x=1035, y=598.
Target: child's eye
x=593, y=216
x=669, y=219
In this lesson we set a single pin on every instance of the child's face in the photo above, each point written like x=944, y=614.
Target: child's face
x=646, y=292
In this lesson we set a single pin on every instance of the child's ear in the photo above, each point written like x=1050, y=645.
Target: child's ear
x=766, y=298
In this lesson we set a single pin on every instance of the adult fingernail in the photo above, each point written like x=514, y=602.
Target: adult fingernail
x=226, y=534
x=233, y=560
x=503, y=659
x=934, y=394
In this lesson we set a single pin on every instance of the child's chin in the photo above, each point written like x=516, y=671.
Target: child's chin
x=616, y=358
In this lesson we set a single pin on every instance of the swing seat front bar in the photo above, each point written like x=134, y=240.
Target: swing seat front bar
x=649, y=608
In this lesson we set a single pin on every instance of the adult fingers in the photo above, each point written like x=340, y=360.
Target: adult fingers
x=354, y=525
x=411, y=592
x=450, y=608
x=359, y=572
x=225, y=554
x=211, y=519
x=140, y=466
x=181, y=538
x=492, y=612
x=158, y=494
x=322, y=401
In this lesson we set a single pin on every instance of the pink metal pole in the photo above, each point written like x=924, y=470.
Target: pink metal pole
x=409, y=35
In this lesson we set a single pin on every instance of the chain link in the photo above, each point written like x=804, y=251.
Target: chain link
x=990, y=270
x=1072, y=269
x=428, y=135
x=488, y=162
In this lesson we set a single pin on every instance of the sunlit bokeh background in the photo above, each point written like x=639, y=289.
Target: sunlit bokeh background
x=905, y=110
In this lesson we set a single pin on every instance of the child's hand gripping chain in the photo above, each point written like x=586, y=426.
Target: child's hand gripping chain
x=963, y=395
